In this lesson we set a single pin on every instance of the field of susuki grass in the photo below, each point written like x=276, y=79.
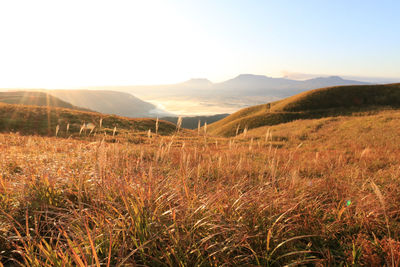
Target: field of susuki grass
x=316, y=192
x=66, y=122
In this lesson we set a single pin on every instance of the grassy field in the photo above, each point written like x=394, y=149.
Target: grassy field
x=44, y=121
x=320, y=192
x=318, y=103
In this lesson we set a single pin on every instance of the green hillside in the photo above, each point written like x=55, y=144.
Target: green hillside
x=44, y=120
x=318, y=103
x=35, y=99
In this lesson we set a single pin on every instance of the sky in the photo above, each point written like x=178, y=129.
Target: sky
x=63, y=44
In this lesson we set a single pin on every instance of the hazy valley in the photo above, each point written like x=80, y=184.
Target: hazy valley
x=202, y=97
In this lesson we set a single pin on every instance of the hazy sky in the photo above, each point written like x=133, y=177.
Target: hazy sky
x=81, y=43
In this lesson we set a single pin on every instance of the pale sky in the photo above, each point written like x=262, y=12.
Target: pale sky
x=62, y=44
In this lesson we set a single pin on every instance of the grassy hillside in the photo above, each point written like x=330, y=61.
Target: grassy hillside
x=44, y=120
x=35, y=99
x=335, y=132
x=319, y=192
x=325, y=102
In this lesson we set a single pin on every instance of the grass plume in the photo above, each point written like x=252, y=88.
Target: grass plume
x=292, y=194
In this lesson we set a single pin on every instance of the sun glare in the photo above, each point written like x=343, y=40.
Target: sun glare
x=83, y=43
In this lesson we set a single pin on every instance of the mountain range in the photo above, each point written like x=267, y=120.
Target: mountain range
x=203, y=97
x=243, y=85
x=195, y=97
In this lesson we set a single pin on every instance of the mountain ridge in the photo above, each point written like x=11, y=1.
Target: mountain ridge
x=200, y=96
x=241, y=78
x=195, y=97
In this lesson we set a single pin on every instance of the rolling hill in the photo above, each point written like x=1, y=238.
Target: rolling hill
x=44, y=120
x=110, y=102
x=331, y=133
x=318, y=103
x=36, y=99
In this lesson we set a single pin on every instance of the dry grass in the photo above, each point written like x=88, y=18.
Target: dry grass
x=273, y=198
x=44, y=120
x=318, y=103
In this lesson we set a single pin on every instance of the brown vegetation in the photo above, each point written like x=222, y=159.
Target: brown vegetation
x=44, y=120
x=323, y=192
x=318, y=103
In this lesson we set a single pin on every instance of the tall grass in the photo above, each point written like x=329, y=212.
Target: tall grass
x=184, y=200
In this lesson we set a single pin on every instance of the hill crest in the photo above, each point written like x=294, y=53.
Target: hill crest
x=34, y=98
x=317, y=103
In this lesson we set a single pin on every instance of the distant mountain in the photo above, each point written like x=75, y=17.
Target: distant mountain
x=110, y=102
x=193, y=97
x=33, y=98
x=258, y=85
x=198, y=82
x=200, y=96
x=243, y=85
x=329, y=81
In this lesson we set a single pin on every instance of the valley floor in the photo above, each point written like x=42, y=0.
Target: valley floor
x=323, y=192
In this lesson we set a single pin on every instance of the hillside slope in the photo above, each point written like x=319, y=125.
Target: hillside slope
x=330, y=101
x=36, y=99
x=44, y=120
x=329, y=191
x=109, y=102
x=334, y=133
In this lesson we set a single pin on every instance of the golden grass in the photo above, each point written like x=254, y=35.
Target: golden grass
x=44, y=120
x=319, y=103
x=323, y=192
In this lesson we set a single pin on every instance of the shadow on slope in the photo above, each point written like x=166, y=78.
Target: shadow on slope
x=318, y=103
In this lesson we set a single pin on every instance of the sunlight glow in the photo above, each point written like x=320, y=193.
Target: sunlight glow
x=64, y=44
x=80, y=43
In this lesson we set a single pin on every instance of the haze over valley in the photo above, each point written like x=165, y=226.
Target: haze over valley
x=195, y=97
x=202, y=97
x=199, y=133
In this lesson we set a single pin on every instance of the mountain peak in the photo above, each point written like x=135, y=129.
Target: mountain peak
x=250, y=76
x=198, y=81
x=332, y=78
